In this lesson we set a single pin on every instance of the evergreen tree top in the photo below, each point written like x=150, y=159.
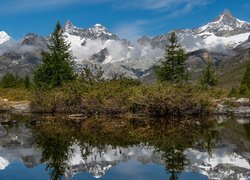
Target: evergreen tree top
x=58, y=66
x=173, y=67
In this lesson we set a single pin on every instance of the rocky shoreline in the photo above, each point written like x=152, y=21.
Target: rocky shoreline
x=14, y=106
x=233, y=106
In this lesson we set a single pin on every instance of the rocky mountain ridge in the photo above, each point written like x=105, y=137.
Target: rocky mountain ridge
x=217, y=40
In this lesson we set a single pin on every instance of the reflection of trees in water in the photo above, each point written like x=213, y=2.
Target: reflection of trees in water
x=247, y=128
x=169, y=140
x=175, y=139
x=55, y=146
x=174, y=161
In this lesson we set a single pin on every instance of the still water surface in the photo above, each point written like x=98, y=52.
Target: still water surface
x=33, y=148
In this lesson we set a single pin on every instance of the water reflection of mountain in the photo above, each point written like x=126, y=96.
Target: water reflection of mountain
x=16, y=144
x=96, y=147
x=100, y=161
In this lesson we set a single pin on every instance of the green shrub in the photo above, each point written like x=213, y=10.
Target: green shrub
x=8, y=81
x=122, y=96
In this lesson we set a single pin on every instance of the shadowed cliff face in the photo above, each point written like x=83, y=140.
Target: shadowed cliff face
x=212, y=148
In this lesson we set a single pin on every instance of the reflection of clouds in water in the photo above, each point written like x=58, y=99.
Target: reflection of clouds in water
x=139, y=161
x=138, y=171
x=3, y=163
x=243, y=120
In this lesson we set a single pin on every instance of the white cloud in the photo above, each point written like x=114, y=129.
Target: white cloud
x=165, y=9
x=163, y=4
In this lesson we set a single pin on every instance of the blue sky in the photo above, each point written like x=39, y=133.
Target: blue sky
x=126, y=18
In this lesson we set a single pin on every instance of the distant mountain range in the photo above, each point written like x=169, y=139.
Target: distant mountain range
x=218, y=40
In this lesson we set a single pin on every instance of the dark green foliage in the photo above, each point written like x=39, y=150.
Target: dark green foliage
x=8, y=81
x=209, y=78
x=27, y=82
x=243, y=90
x=57, y=67
x=11, y=81
x=172, y=67
x=246, y=78
x=233, y=92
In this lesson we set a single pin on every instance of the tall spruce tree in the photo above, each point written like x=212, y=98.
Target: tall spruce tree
x=57, y=65
x=209, y=77
x=172, y=67
x=246, y=78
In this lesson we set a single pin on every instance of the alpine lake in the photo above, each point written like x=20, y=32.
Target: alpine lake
x=40, y=147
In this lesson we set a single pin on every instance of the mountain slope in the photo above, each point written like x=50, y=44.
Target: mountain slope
x=232, y=71
x=4, y=37
x=218, y=40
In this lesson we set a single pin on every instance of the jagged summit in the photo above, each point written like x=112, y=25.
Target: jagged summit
x=98, y=25
x=226, y=25
x=32, y=39
x=94, y=32
x=226, y=17
x=4, y=37
x=99, y=29
x=69, y=27
x=96, y=44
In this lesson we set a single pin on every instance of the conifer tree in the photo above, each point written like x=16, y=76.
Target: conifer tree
x=172, y=67
x=8, y=81
x=246, y=78
x=27, y=82
x=209, y=77
x=57, y=63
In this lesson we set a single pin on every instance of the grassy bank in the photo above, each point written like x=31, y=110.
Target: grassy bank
x=15, y=94
x=122, y=96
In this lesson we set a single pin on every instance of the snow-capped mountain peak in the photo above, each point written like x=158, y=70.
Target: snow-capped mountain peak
x=99, y=29
x=225, y=25
x=225, y=18
x=4, y=37
x=69, y=27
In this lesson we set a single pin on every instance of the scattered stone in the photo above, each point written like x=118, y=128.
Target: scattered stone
x=21, y=107
x=243, y=100
x=222, y=109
